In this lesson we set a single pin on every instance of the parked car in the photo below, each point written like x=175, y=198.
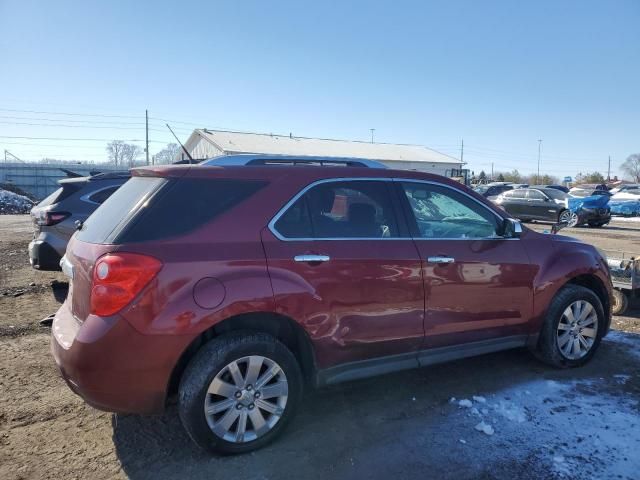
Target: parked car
x=237, y=286
x=588, y=192
x=492, y=191
x=552, y=205
x=562, y=188
x=626, y=188
x=55, y=217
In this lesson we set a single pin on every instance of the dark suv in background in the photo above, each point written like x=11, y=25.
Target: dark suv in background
x=55, y=217
x=236, y=286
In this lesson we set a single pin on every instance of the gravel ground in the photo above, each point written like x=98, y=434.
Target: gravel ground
x=545, y=423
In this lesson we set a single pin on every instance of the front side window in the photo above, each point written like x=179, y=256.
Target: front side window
x=443, y=213
x=341, y=209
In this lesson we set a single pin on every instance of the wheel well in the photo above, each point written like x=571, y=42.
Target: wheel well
x=291, y=334
x=594, y=284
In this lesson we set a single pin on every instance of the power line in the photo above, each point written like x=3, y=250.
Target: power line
x=75, y=139
x=75, y=126
x=10, y=117
x=75, y=114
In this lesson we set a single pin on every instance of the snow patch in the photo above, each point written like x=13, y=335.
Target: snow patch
x=485, y=428
x=479, y=399
x=466, y=403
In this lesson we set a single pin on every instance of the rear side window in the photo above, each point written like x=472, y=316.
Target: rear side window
x=184, y=205
x=148, y=208
x=101, y=195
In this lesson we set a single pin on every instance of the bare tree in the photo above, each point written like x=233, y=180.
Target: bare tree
x=631, y=166
x=124, y=154
x=168, y=154
x=115, y=150
x=131, y=153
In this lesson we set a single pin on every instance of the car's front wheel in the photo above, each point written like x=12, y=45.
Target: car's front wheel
x=238, y=392
x=573, y=328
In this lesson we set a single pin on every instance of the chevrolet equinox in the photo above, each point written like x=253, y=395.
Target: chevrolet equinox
x=233, y=287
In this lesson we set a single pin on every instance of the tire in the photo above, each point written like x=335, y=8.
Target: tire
x=549, y=350
x=620, y=302
x=213, y=362
x=596, y=224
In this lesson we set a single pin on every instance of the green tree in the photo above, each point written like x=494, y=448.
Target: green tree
x=501, y=178
x=482, y=178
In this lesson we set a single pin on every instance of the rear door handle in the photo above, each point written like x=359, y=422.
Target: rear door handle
x=440, y=259
x=307, y=258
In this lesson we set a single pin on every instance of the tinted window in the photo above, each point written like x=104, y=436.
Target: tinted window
x=65, y=191
x=119, y=208
x=295, y=222
x=442, y=212
x=357, y=209
x=555, y=194
x=101, y=195
x=147, y=208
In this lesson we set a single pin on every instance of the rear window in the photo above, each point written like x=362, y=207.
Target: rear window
x=149, y=208
x=60, y=194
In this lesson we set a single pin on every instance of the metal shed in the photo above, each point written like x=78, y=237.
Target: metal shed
x=204, y=143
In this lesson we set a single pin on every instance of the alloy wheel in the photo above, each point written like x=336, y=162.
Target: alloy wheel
x=577, y=330
x=246, y=399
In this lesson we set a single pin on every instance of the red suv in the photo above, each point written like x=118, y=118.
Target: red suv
x=237, y=286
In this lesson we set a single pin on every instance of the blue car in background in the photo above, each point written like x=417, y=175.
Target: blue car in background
x=593, y=210
x=625, y=207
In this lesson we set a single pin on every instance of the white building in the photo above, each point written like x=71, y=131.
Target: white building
x=205, y=143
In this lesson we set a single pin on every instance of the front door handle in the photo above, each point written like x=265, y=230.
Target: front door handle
x=307, y=258
x=440, y=259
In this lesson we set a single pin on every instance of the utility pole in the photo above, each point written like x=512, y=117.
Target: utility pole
x=609, y=170
x=492, y=171
x=372, y=130
x=146, y=149
x=462, y=152
x=539, y=147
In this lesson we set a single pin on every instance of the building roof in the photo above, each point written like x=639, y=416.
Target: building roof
x=239, y=142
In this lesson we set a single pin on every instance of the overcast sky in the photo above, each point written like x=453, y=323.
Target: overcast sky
x=501, y=75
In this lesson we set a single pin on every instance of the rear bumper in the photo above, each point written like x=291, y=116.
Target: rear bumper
x=43, y=256
x=111, y=365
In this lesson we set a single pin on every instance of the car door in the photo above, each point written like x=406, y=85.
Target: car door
x=541, y=206
x=515, y=203
x=343, y=265
x=478, y=285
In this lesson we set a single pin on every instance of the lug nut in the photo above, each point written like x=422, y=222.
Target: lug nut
x=251, y=406
x=249, y=387
x=239, y=406
x=238, y=394
x=256, y=395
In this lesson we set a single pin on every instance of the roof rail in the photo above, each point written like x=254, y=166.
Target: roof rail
x=251, y=159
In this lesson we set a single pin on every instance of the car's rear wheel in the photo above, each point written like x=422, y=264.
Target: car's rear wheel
x=238, y=392
x=620, y=302
x=573, y=328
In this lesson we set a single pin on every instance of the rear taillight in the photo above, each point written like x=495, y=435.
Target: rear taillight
x=118, y=278
x=46, y=219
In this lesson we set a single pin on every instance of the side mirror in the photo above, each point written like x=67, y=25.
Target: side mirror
x=510, y=228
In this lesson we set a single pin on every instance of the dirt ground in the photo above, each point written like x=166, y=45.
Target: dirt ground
x=547, y=423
